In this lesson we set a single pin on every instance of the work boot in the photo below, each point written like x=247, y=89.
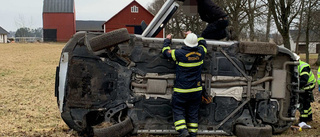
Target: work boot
x=306, y=119
x=184, y=133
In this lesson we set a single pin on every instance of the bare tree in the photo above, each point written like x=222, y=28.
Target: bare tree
x=268, y=24
x=20, y=22
x=156, y=6
x=254, y=10
x=312, y=10
x=179, y=22
x=242, y=17
x=284, y=11
x=300, y=26
x=277, y=38
x=237, y=15
x=316, y=28
x=309, y=9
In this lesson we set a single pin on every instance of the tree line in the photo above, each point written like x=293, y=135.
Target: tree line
x=256, y=20
x=27, y=32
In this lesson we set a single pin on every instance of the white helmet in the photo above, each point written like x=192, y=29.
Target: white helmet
x=191, y=40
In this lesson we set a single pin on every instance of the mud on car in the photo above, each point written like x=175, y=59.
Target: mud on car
x=116, y=83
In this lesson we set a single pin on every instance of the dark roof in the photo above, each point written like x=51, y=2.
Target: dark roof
x=82, y=25
x=58, y=6
x=3, y=31
x=313, y=36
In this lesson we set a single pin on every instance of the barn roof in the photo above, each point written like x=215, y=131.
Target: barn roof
x=3, y=31
x=313, y=36
x=58, y=6
x=83, y=25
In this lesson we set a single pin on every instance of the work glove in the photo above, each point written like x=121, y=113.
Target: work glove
x=206, y=98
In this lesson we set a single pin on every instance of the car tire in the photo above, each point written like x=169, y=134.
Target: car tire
x=67, y=118
x=108, y=40
x=116, y=130
x=246, y=131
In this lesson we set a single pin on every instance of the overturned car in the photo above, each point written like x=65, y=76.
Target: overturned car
x=114, y=84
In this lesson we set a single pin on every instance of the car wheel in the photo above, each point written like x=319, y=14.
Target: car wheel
x=246, y=131
x=67, y=118
x=116, y=130
x=108, y=40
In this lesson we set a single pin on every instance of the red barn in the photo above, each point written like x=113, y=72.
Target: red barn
x=58, y=20
x=130, y=17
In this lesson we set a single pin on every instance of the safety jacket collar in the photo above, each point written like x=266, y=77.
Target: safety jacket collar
x=189, y=48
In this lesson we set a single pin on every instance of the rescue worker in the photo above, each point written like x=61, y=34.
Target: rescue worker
x=318, y=74
x=215, y=17
x=186, y=98
x=307, y=83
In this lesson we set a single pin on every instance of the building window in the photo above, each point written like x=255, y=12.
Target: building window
x=134, y=9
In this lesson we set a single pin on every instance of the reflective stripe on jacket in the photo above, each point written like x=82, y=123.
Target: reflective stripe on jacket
x=188, y=65
x=306, y=74
x=318, y=73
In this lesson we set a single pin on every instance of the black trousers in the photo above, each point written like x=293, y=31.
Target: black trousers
x=185, y=108
x=216, y=30
x=305, y=109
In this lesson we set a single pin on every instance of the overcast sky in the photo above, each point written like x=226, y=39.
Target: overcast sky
x=17, y=13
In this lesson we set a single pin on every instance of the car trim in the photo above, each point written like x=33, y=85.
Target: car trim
x=62, y=78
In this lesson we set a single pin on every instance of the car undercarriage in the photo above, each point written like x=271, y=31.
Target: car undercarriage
x=116, y=83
